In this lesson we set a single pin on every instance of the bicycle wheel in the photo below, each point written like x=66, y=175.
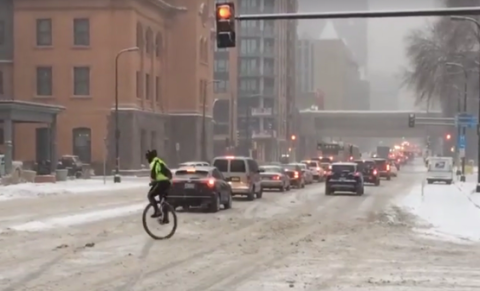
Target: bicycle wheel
x=157, y=222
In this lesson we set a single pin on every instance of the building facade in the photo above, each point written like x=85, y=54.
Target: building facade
x=69, y=52
x=264, y=81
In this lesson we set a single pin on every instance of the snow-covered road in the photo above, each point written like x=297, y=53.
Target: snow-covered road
x=298, y=240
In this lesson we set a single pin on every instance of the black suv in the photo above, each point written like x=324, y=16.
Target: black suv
x=344, y=177
x=369, y=171
x=383, y=168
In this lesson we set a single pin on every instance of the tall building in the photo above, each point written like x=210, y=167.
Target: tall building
x=354, y=31
x=65, y=54
x=265, y=79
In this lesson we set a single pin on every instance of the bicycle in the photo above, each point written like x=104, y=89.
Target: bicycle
x=162, y=204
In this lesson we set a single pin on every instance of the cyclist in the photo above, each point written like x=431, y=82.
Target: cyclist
x=160, y=176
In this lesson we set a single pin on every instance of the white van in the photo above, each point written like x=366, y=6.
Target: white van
x=440, y=169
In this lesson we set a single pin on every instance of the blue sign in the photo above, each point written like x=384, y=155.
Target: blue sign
x=461, y=142
x=466, y=120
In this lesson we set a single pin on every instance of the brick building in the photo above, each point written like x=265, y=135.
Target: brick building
x=63, y=52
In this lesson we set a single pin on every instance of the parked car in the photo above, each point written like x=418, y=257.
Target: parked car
x=274, y=177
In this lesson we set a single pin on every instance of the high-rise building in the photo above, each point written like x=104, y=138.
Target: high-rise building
x=353, y=31
x=265, y=78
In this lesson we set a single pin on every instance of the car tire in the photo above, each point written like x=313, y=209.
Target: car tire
x=360, y=191
x=429, y=181
x=251, y=196
x=185, y=208
x=389, y=178
x=328, y=191
x=228, y=204
x=288, y=188
x=377, y=183
x=283, y=188
x=215, y=205
x=260, y=193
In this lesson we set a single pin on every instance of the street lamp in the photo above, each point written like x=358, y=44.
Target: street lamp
x=463, y=130
x=477, y=24
x=203, y=141
x=116, y=177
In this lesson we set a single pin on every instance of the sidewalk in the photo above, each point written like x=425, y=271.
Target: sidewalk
x=32, y=190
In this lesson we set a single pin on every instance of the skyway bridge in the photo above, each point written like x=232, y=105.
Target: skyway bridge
x=374, y=124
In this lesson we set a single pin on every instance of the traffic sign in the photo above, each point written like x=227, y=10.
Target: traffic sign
x=461, y=142
x=466, y=120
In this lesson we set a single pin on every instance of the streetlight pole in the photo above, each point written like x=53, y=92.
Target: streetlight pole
x=477, y=24
x=465, y=96
x=203, y=141
x=116, y=177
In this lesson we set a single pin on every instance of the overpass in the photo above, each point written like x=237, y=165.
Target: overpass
x=373, y=124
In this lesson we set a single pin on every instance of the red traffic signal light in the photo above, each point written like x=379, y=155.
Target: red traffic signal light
x=293, y=137
x=225, y=25
x=224, y=11
x=448, y=136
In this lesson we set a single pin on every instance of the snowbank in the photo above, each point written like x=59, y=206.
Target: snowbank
x=30, y=190
x=451, y=210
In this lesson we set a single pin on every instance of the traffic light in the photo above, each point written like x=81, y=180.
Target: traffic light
x=225, y=21
x=293, y=137
x=411, y=120
x=448, y=137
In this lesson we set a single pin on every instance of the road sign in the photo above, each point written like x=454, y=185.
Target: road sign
x=461, y=142
x=466, y=120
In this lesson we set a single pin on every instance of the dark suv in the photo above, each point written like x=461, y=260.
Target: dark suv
x=344, y=177
x=369, y=171
x=383, y=168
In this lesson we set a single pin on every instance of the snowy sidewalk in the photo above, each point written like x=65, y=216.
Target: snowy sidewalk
x=93, y=186
x=451, y=210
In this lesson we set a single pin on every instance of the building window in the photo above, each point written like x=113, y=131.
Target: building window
x=3, y=32
x=139, y=36
x=139, y=85
x=143, y=144
x=81, y=32
x=44, y=32
x=82, y=143
x=158, y=44
x=44, y=81
x=147, y=86
x=81, y=81
x=157, y=88
x=221, y=86
x=153, y=140
x=2, y=89
x=149, y=41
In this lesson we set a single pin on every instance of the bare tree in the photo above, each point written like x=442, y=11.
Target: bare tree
x=428, y=49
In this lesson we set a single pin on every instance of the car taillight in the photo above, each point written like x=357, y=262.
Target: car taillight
x=374, y=172
x=276, y=178
x=211, y=182
x=357, y=174
x=388, y=167
x=318, y=168
x=296, y=174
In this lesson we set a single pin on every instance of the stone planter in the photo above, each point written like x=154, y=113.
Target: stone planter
x=61, y=175
x=29, y=176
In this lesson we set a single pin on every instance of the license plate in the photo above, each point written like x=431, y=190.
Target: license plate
x=235, y=179
x=189, y=186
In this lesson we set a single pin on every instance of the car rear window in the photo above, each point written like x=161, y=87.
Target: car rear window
x=185, y=174
x=221, y=165
x=238, y=166
x=272, y=169
x=313, y=164
x=290, y=167
x=380, y=162
x=325, y=160
x=326, y=166
x=343, y=168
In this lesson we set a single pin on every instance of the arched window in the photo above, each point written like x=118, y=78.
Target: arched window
x=158, y=44
x=149, y=40
x=139, y=35
x=82, y=143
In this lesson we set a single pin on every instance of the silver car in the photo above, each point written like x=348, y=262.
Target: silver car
x=273, y=177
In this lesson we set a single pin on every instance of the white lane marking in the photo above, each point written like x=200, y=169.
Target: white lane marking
x=78, y=219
